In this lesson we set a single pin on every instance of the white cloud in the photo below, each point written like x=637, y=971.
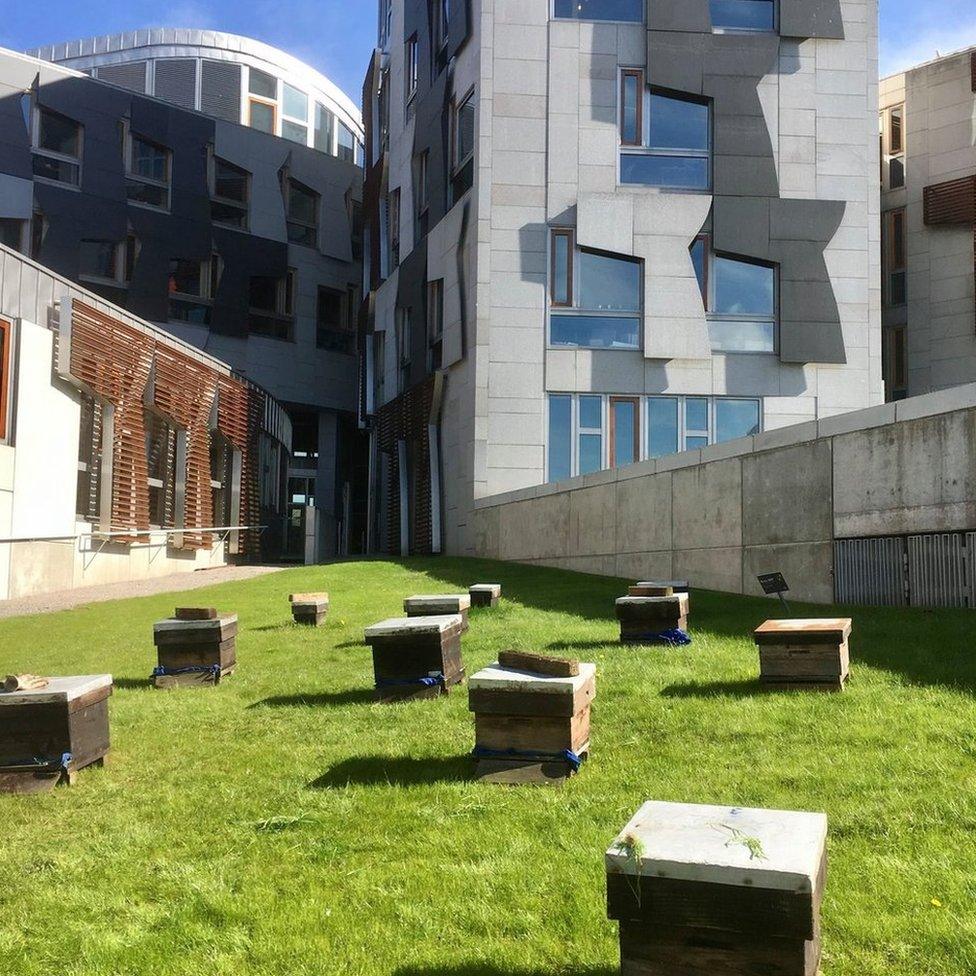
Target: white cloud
x=917, y=48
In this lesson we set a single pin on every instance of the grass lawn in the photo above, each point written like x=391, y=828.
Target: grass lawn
x=284, y=825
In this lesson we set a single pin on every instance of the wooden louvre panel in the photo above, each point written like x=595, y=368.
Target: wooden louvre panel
x=953, y=202
x=240, y=412
x=114, y=361
x=184, y=390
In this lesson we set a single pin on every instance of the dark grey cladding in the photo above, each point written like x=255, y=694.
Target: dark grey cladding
x=727, y=68
x=412, y=295
x=98, y=210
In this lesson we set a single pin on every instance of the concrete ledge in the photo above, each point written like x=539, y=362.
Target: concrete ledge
x=848, y=423
x=769, y=440
x=943, y=401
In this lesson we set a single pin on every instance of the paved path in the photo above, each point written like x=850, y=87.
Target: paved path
x=66, y=599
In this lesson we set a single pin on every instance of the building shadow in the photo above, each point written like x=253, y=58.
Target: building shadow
x=394, y=771
x=487, y=969
x=324, y=699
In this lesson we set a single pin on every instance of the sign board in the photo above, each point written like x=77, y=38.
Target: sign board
x=773, y=583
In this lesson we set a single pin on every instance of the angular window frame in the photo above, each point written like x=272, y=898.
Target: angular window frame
x=403, y=329
x=75, y=163
x=299, y=231
x=895, y=259
x=411, y=67
x=336, y=336
x=240, y=207
x=554, y=15
x=895, y=152
x=133, y=180
x=435, y=325
x=773, y=5
x=202, y=302
x=124, y=258
x=462, y=169
x=280, y=323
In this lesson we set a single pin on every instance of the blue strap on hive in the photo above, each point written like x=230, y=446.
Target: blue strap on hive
x=60, y=764
x=673, y=638
x=566, y=755
x=213, y=669
x=429, y=681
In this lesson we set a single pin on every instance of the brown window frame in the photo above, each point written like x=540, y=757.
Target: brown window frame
x=570, y=236
x=612, y=427
x=637, y=73
x=6, y=368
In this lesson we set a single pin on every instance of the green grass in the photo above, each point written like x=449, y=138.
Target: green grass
x=285, y=824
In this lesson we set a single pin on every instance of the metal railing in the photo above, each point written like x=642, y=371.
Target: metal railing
x=131, y=533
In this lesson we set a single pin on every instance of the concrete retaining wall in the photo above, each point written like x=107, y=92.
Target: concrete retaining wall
x=774, y=502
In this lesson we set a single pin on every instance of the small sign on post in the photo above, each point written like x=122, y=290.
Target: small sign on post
x=775, y=584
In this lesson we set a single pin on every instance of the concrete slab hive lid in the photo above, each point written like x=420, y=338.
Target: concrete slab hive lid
x=711, y=844
x=829, y=627
x=438, y=602
x=58, y=690
x=674, y=584
x=495, y=589
x=195, y=625
x=681, y=599
x=411, y=626
x=497, y=678
x=308, y=598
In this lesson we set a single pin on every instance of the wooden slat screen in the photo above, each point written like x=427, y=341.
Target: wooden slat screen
x=114, y=361
x=184, y=391
x=953, y=202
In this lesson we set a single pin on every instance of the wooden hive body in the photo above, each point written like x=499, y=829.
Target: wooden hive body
x=407, y=650
x=528, y=726
x=195, y=652
x=642, y=618
x=485, y=594
x=717, y=891
x=41, y=729
x=309, y=609
x=805, y=654
x=439, y=605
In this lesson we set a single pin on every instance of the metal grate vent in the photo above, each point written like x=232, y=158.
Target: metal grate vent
x=937, y=570
x=130, y=75
x=220, y=90
x=870, y=572
x=176, y=81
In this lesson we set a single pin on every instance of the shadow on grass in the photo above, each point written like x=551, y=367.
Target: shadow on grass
x=346, y=645
x=717, y=689
x=923, y=647
x=393, y=771
x=131, y=684
x=325, y=699
x=485, y=969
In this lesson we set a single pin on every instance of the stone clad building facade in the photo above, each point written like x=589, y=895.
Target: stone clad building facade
x=928, y=126
x=600, y=234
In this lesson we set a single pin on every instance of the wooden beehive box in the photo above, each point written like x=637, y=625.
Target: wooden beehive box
x=439, y=605
x=530, y=727
x=485, y=594
x=309, y=609
x=47, y=735
x=659, y=588
x=644, y=618
x=196, y=647
x=705, y=890
x=805, y=654
x=416, y=657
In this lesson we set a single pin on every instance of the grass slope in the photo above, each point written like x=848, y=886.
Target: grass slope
x=285, y=824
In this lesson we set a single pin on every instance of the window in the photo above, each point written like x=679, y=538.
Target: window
x=422, y=192
x=625, y=447
x=108, y=261
x=161, y=464
x=346, y=144
x=590, y=434
x=895, y=155
x=895, y=362
x=192, y=289
x=387, y=21
x=88, y=493
x=685, y=423
x=894, y=250
x=294, y=111
x=271, y=306
x=462, y=147
x=230, y=192
x=6, y=369
x=325, y=128
x=379, y=369
x=148, y=172
x=594, y=296
x=747, y=15
x=333, y=329
x=665, y=140
x=393, y=222
x=38, y=231
x=441, y=33
x=560, y=437
x=435, y=325
x=305, y=438
x=412, y=66
x=403, y=348
x=12, y=233
x=57, y=142
x=630, y=11
x=302, y=209
x=740, y=297
x=262, y=101
x=221, y=478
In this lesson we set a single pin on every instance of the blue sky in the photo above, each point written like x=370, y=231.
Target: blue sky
x=336, y=36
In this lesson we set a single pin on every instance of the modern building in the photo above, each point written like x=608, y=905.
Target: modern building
x=235, y=240
x=225, y=76
x=601, y=231
x=928, y=202
x=125, y=453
